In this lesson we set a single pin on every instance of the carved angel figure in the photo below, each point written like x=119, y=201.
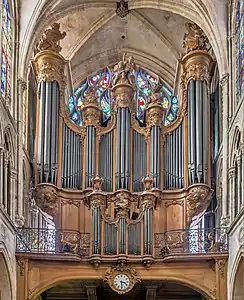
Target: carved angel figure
x=124, y=71
x=50, y=39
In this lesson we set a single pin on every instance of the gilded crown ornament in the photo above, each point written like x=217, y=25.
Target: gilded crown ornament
x=121, y=278
x=122, y=9
x=50, y=39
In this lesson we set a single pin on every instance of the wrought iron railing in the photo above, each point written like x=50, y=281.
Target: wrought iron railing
x=190, y=242
x=175, y=242
x=52, y=241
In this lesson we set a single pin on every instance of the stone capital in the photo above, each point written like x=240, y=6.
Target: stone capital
x=224, y=80
x=231, y=172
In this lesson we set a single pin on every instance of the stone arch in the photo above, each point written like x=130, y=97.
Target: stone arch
x=238, y=279
x=8, y=137
x=197, y=12
x=6, y=287
x=182, y=281
x=235, y=147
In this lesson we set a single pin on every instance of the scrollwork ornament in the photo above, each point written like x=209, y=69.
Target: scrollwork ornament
x=221, y=266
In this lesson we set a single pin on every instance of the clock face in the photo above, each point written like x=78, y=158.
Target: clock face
x=121, y=282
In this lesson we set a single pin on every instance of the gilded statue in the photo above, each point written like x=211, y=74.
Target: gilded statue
x=124, y=71
x=195, y=39
x=50, y=39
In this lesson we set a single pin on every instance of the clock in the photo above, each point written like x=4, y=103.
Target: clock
x=121, y=282
x=121, y=278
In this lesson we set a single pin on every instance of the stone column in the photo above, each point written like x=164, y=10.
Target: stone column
x=19, y=215
x=231, y=202
x=242, y=172
x=1, y=176
x=13, y=202
x=225, y=218
x=239, y=185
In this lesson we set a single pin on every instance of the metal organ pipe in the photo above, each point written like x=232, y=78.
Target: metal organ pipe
x=155, y=155
x=106, y=160
x=90, y=154
x=198, y=132
x=47, y=151
x=72, y=163
x=123, y=149
x=174, y=159
x=139, y=161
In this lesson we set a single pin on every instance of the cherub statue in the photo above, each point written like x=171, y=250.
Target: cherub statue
x=50, y=39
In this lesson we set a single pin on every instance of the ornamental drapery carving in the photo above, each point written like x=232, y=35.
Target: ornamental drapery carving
x=197, y=200
x=47, y=199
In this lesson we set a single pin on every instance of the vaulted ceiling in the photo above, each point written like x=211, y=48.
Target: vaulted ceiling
x=96, y=37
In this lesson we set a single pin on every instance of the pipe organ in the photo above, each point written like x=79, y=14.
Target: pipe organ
x=122, y=181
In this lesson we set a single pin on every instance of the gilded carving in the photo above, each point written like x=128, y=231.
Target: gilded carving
x=70, y=241
x=70, y=202
x=50, y=39
x=47, y=199
x=124, y=71
x=197, y=200
x=97, y=183
x=148, y=183
x=154, y=115
x=174, y=202
x=195, y=39
x=21, y=263
x=122, y=204
x=124, y=269
x=221, y=266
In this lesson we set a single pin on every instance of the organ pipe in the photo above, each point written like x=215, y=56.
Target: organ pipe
x=198, y=141
x=139, y=161
x=123, y=145
x=72, y=159
x=174, y=159
x=106, y=161
x=47, y=149
x=90, y=155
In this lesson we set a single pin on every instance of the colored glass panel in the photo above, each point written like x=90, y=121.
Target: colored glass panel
x=145, y=85
x=240, y=48
x=5, y=53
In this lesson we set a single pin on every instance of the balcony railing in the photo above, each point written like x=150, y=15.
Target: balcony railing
x=191, y=242
x=177, y=242
x=51, y=241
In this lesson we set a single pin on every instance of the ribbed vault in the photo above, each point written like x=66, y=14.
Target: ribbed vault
x=153, y=32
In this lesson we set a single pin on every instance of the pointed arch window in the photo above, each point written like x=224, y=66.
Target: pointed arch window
x=240, y=48
x=5, y=50
x=102, y=82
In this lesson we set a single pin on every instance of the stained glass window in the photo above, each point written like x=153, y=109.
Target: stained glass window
x=102, y=82
x=240, y=48
x=5, y=51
